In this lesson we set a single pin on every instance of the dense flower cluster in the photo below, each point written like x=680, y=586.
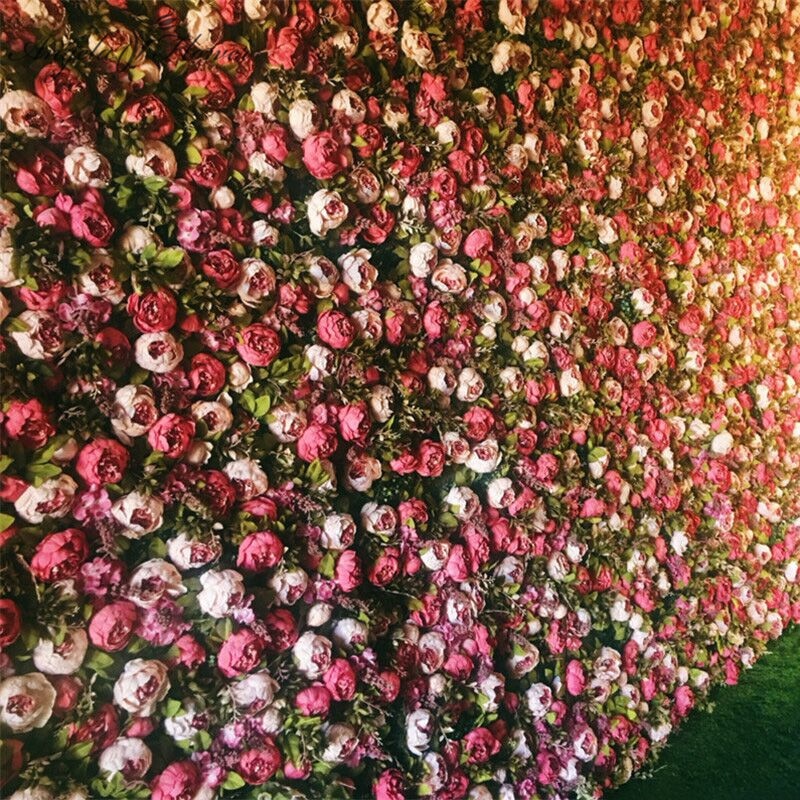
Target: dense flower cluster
x=400, y=396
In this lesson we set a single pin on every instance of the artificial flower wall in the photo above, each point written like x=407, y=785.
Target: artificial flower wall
x=400, y=398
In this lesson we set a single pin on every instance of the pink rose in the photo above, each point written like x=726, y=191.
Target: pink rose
x=340, y=680
x=102, y=461
x=478, y=244
x=59, y=555
x=112, y=626
x=285, y=48
x=317, y=441
x=178, y=781
x=348, y=574
x=41, y=173
x=28, y=423
x=90, y=222
x=324, y=156
x=219, y=91
x=313, y=701
x=691, y=322
x=60, y=87
x=190, y=652
x=576, y=678
x=644, y=334
x=207, y=375
x=240, y=653
x=336, y=329
x=152, y=115
x=430, y=459
x=258, y=765
x=171, y=435
x=354, y=422
x=259, y=551
x=260, y=345
x=385, y=568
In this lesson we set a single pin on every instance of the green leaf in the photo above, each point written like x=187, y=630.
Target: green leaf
x=233, y=781
x=6, y=521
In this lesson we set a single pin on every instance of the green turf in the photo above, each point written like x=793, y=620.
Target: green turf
x=748, y=748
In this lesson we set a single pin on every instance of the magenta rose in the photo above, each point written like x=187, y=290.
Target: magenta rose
x=259, y=551
x=282, y=629
x=575, y=678
x=112, y=626
x=154, y=311
x=102, y=461
x=480, y=745
x=28, y=423
x=258, y=765
x=317, y=441
x=336, y=329
x=324, y=156
x=260, y=345
x=240, y=653
x=178, y=781
x=348, y=574
x=59, y=555
x=313, y=701
x=390, y=786
x=340, y=680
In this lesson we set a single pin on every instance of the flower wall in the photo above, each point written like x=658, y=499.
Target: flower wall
x=400, y=398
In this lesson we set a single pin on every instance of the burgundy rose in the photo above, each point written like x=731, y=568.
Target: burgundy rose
x=218, y=91
x=207, y=375
x=10, y=622
x=40, y=172
x=212, y=171
x=61, y=88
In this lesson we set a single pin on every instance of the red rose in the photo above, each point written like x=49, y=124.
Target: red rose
x=212, y=171
x=153, y=311
x=222, y=267
x=340, y=680
x=317, y=441
x=112, y=626
x=216, y=491
x=480, y=423
x=240, y=653
x=260, y=345
x=207, y=375
x=28, y=423
x=324, y=156
x=219, y=92
x=430, y=459
x=179, y=780
x=284, y=49
x=90, y=222
x=40, y=172
x=377, y=227
x=151, y=115
x=59, y=555
x=60, y=87
x=171, y=435
x=336, y=329
x=10, y=622
x=259, y=551
x=372, y=139
x=235, y=59
x=68, y=692
x=480, y=745
x=102, y=461
x=258, y=765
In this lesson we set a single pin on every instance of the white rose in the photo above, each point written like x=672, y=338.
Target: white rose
x=222, y=593
x=204, y=26
x=32, y=793
x=187, y=553
x=570, y=381
x=379, y=401
x=422, y=259
x=382, y=18
x=247, y=477
x=484, y=457
x=25, y=113
x=470, y=385
x=514, y=20
x=368, y=324
x=357, y=272
x=303, y=118
x=342, y=740
x=256, y=283
x=449, y=277
x=26, y=702
x=287, y=422
x=289, y=585
x=262, y=165
x=265, y=98
x=323, y=272
x=98, y=279
x=138, y=513
x=319, y=614
x=42, y=336
x=5, y=307
x=142, y=685
x=134, y=411
x=722, y=443
x=500, y=493
x=538, y=699
x=432, y=647
x=463, y=501
x=135, y=238
x=348, y=106
x=128, y=756
x=448, y=133
x=419, y=730
x=312, y=654
x=64, y=658
x=362, y=471
x=416, y=45
x=216, y=416
x=378, y=518
x=185, y=724
x=157, y=160
x=85, y=167
x=240, y=376
x=152, y=580
x=338, y=532
x=326, y=211
x=158, y=352
x=53, y=499
x=607, y=665
x=254, y=692
x=643, y=301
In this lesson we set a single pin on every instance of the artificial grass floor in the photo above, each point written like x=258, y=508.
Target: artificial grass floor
x=747, y=748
